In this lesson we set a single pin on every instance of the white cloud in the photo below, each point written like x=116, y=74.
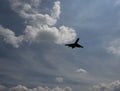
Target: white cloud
x=66, y=34
x=56, y=10
x=24, y=88
x=81, y=71
x=9, y=37
x=61, y=89
x=114, y=47
x=40, y=27
x=46, y=33
x=100, y=87
x=59, y=79
x=67, y=89
x=43, y=24
x=19, y=88
x=113, y=86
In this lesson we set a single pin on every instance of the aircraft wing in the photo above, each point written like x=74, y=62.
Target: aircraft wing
x=69, y=45
x=78, y=45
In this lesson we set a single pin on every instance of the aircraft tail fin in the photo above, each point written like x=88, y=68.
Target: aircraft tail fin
x=76, y=40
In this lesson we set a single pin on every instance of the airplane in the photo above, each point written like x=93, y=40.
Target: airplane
x=73, y=45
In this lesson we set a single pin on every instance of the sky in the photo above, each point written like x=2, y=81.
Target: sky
x=32, y=52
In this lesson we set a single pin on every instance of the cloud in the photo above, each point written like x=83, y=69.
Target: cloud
x=9, y=37
x=24, y=88
x=100, y=87
x=81, y=71
x=113, y=86
x=59, y=79
x=117, y=2
x=114, y=47
x=29, y=10
x=39, y=27
x=56, y=10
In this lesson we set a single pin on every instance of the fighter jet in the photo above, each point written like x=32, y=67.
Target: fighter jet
x=73, y=45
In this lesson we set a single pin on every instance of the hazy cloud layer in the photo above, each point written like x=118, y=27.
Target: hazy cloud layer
x=59, y=79
x=117, y=2
x=39, y=27
x=114, y=47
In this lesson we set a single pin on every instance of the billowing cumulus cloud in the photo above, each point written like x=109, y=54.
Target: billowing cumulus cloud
x=24, y=88
x=39, y=27
x=9, y=37
x=113, y=86
x=29, y=10
x=114, y=47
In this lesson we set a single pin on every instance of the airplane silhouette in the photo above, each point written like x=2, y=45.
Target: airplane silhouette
x=73, y=45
